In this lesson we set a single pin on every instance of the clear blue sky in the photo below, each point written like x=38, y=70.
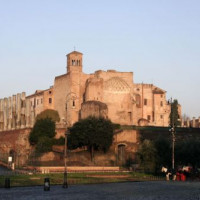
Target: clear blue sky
x=159, y=40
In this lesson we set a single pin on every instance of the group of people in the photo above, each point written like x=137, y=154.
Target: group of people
x=174, y=175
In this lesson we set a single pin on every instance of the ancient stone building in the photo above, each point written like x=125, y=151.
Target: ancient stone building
x=76, y=95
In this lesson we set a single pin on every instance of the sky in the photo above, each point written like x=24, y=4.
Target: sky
x=158, y=40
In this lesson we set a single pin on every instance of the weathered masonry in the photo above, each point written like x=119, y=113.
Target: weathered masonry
x=76, y=95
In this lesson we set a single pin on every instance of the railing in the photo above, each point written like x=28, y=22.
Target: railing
x=17, y=179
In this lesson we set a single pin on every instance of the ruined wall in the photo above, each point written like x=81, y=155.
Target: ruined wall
x=15, y=141
x=94, y=108
x=115, y=90
x=127, y=102
x=61, y=89
x=16, y=113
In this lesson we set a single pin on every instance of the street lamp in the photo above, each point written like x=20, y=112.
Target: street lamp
x=173, y=144
x=65, y=185
x=174, y=121
x=172, y=130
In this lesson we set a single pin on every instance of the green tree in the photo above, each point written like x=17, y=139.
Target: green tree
x=187, y=152
x=44, y=145
x=174, y=116
x=147, y=156
x=42, y=128
x=95, y=133
x=163, y=152
x=49, y=113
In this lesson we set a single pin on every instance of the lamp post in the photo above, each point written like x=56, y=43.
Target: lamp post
x=173, y=144
x=65, y=185
x=172, y=130
x=174, y=122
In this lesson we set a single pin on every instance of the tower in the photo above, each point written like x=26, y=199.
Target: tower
x=74, y=61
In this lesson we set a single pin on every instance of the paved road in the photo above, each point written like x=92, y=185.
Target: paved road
x=130, y=190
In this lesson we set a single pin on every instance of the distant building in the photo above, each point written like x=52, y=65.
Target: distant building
x=76, y=95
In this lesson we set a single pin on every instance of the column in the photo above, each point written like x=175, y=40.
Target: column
x=9, y=113
x=18, y=111
x=23, y=105
x=28, y=113
x=199, y=122
x=193, y=122
x=14, y=114
x=5, y=110
x=1, y=115
x=188, y=123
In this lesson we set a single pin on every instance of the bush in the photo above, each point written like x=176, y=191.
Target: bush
x=59, y=141
x=49, y=113
x=44, y=145
x=42, y=128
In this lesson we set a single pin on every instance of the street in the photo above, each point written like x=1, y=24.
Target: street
x=129, y=190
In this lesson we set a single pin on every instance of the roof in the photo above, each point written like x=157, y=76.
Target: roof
x=158, y=90
x=38, y=92
x=74, y=52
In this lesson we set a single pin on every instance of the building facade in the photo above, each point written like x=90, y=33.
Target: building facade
x=77, y=95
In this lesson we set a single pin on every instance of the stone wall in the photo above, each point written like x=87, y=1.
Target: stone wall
x=15, y=142
x=94, y=108
x=16, y=113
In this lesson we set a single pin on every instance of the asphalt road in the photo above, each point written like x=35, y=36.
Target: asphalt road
x=160, y=190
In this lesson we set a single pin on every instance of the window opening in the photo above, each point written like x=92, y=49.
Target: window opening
x=145, y=102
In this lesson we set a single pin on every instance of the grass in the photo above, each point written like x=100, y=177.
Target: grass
x=76, y=178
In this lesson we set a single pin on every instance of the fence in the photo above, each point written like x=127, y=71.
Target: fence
x=74, y=178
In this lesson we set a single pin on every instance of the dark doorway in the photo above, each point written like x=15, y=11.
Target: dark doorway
x=121, y=154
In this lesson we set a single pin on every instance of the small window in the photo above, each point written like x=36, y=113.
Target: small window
x=161, y=104
x=73, y=103
x=161, y=96
x=149, y=117
x=50, y=100
x=138, y=100
x=153, y=116
x=37, y=101
x=130, y=116
x=49, y=92
x=145, y=102
x=41, y=101
x=161, y=116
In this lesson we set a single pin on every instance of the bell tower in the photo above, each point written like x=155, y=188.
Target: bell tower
x=74, y=61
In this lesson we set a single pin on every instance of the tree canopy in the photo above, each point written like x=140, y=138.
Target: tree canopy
x=187, y=152
x=49, y=113
x=174, y=116
x=155, y=154
x=95, y=133
x=42, y=128
x=147, y=156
